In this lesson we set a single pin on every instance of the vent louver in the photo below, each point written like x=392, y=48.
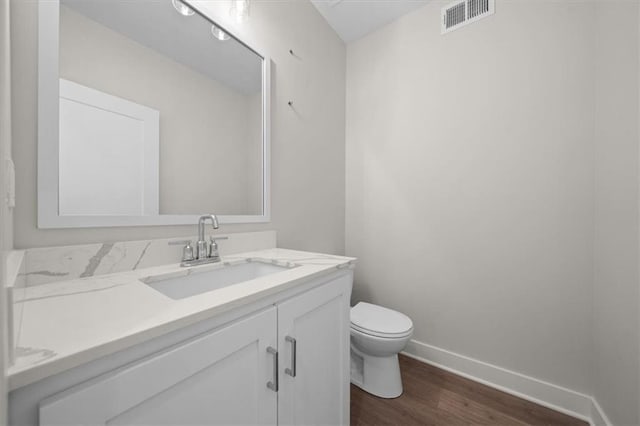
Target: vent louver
x=464, y=12
x=455, y=15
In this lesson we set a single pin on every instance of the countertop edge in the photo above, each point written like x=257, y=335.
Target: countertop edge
x=33, y=373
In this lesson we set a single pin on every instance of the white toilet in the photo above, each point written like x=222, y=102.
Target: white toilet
x=377, y=335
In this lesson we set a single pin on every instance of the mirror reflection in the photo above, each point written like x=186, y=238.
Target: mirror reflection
x=161, y=113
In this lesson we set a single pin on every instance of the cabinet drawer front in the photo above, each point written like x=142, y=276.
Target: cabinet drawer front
x=218, y=378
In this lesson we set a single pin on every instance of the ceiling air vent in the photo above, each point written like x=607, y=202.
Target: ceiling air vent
x=464, y=12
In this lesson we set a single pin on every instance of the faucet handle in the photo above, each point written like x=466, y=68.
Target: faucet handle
x=213, y=246
x=187, y=250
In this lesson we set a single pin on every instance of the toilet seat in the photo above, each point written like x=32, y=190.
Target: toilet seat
x=380, y=322
x=382, y=335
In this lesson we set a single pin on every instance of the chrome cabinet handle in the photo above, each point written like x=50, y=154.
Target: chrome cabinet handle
x=273, y=385
x=291, y=371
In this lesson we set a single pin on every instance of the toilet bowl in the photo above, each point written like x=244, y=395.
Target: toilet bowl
x=377, y=335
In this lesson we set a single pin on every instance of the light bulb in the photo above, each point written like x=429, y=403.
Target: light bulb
x=239, y=10
x=182, y=8
x=219, y=34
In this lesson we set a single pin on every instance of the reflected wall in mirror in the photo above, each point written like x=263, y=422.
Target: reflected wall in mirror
x=157, y=116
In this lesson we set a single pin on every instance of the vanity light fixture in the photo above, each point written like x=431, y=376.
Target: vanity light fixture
x=239, y=10
x=219, y=34
x=182, y=8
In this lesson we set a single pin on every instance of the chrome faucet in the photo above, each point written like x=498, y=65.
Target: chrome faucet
x=205, y=252
x=201, y=246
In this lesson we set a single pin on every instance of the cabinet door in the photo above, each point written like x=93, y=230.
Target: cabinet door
x=219, y=378
x=314, y=388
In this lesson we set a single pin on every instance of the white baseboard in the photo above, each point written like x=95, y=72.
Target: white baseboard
x=552, y=396
x=598, y=416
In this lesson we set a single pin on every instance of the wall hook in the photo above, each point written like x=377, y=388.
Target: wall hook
x=290, y=103
x=294, y=54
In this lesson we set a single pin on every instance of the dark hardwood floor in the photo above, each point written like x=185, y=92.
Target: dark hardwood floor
x=436, y=397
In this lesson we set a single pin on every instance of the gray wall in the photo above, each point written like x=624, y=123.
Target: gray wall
x=5, y=115
x=507, y=157
x=5, y=215
x=470, y=183
x=307, y=143
x=616, y=295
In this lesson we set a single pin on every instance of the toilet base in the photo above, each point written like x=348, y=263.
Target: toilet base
x=379, y=376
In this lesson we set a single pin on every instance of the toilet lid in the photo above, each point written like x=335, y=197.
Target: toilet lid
x=379, y=321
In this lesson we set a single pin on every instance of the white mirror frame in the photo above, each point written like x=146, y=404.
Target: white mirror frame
x=48, y=140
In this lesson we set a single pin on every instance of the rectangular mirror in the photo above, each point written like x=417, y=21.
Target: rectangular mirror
x=149, y=114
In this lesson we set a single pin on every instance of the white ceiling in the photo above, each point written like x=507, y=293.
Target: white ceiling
x=353, y=19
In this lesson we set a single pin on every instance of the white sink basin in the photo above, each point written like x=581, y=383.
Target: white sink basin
x=197, y=281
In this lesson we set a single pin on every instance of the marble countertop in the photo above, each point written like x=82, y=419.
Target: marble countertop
x=69, y=323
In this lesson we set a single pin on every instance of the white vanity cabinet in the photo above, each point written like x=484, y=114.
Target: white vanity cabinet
x=215, y=379
x=281, y=360
x=313, y=338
